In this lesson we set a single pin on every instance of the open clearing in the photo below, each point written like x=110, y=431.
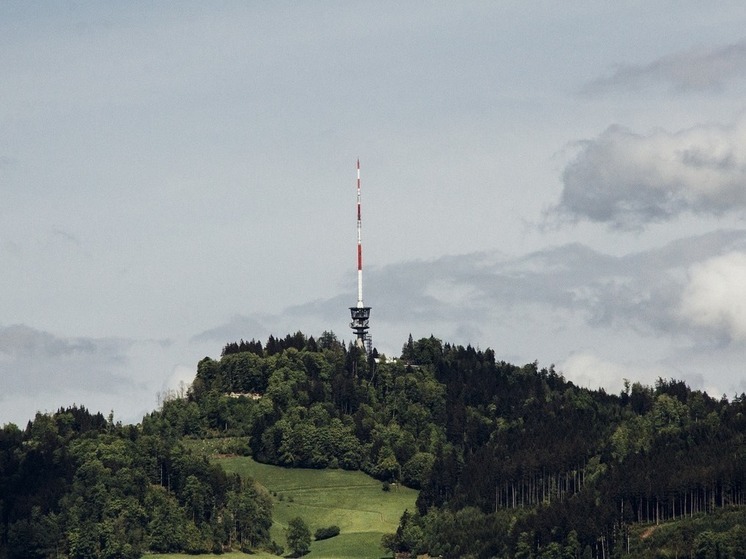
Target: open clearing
x=351, y=500
x=234, y=555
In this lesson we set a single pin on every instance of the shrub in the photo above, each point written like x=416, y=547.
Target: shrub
x=239, y=447
x=326, y=533
x=275, y=548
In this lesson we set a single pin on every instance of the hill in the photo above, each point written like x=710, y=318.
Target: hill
x=510, y=461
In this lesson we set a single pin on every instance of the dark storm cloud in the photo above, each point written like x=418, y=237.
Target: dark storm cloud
x=629, y=180
x=695, y=69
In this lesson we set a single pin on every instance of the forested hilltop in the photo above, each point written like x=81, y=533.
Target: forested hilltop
x=511, y=461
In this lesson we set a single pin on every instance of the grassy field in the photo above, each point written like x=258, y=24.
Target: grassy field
x=234, y=555
x=351, y=500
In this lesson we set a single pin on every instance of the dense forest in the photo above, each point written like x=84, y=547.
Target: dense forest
x=511, y=461
x=74, y=484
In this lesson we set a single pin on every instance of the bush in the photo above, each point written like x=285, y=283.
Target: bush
x=239, y=447
x=275, y=548
x=326, y=533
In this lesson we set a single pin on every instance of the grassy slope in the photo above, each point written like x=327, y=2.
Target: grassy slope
x=234, y=555
x=351, y=500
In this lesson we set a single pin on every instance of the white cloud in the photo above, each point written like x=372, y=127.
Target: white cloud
x=633, y=297
x=180, y=380
x=638, y=292
x=714, y=297
x=628, y=180
x=590, y=371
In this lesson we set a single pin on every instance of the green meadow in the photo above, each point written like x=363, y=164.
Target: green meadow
x=234, y=555
x=351, y=500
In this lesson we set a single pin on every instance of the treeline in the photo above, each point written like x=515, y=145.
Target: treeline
x=518, y=460
x=77, y=485
x=274, y=345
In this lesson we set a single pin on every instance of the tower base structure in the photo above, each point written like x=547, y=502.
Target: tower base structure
x=360, y=317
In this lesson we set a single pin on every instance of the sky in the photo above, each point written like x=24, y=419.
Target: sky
x=562, y=182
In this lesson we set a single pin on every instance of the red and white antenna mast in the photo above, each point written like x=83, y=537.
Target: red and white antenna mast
x=360, y=304
x=360, y=313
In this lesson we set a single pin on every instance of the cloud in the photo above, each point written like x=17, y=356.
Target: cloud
x=66, y=237
x=602, y=317
x=42, y=371
x=477, y=297
x=629, y=180
x=590, y=371
x=238, y=327
x=696, y=69
x=179, y=381
x=52, y=363
x=23, y=342
x=714, y=297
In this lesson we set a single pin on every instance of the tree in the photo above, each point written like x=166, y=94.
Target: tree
x=251, y=511
x=390, y=543
x=524, y=549
x=416, y=471
x=572, y=545
x=298, y=537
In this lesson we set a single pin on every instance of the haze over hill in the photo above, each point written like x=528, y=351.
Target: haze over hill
x=560, y=183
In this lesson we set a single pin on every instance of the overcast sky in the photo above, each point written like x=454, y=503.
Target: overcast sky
x=559, y=181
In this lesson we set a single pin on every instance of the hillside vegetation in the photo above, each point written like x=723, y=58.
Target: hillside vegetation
x=352, y=501
x=510, y=461
x=73, y=484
